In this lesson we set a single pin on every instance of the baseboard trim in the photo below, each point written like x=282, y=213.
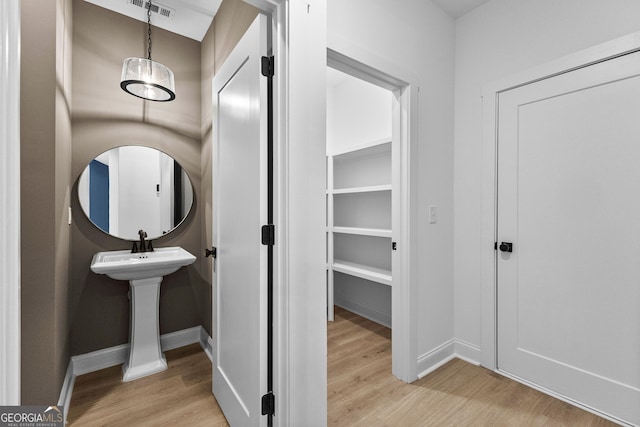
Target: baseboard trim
x=67, y=389
x=206, y=342
x=563, y=398
x=99, y=359
x=181, y=338
x=364, y=311
x=468, y=352
x=117, y=355
x=435, y=358
x=452, y=349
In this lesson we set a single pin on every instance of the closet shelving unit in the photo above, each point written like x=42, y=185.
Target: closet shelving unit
x=359, y=215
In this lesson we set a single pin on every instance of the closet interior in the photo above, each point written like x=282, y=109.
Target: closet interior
x=359, y=197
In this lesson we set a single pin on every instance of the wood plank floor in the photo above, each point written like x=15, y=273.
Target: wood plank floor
x=361, y=391
x=179, y=396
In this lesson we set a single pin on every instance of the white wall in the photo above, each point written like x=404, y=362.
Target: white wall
x=139, y=204
x=419, y=37
x=301, y=340
x=358, y=112
x=498, y=39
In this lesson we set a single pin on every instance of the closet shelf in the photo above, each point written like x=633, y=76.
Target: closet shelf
x=363, y=231
x=363, y=271
x=369, y=189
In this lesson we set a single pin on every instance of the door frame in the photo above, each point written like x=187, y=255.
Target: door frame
x=10, y=204
x=490, y=99
x=298, y=41
x=357, y=62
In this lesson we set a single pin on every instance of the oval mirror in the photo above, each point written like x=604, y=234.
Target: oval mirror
x=133, y=188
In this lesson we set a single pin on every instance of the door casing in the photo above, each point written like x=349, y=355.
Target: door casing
x=365, y=66
x=490, y=97
x=10, y=204
x=298, y=43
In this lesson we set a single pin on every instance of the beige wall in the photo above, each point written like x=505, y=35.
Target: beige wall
x=45, y=170
x=104, y=116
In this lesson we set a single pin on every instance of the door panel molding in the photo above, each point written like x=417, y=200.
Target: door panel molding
x=621, y=46
x=240, y=210
x=489, y=256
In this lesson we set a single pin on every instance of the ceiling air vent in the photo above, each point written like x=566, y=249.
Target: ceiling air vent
x=155, y=8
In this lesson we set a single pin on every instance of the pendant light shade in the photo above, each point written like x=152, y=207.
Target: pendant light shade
x=147, y=79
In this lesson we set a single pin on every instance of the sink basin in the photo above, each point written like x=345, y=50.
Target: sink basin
x=124, y=265
x=144, y=271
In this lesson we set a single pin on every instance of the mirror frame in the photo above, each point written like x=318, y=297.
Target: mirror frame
x=81, y=188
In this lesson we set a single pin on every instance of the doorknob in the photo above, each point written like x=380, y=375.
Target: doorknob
x=506, y=247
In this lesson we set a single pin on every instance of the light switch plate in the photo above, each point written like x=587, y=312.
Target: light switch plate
x=433, y=214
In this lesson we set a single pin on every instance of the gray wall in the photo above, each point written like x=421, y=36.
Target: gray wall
x=66, y=308
x=104, y=116
x=45, y=193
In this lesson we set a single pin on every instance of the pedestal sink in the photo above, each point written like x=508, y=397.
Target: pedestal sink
x=144, y=271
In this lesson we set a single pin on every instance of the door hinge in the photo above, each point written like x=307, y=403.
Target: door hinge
x=268, y=66
x=269, y=404
x=495, y=246
x=269, y=235
x=394, y=246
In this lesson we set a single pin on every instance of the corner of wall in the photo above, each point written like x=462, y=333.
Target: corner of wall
x=45, y=182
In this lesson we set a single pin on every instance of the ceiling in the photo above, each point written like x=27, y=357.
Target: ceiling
x=190, y=18
x=457, y=8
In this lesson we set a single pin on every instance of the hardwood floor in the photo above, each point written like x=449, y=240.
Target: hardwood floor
x=179, y=396
x=361, y=391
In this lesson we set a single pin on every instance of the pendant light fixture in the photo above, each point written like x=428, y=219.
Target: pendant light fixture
x=145, y=78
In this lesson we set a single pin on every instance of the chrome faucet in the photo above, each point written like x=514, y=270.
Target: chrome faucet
x=145, y=246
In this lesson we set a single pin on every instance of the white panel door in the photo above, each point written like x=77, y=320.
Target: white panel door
x=569, y=202
x=240, y=207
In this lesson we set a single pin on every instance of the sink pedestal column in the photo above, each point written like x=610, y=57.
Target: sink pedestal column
x=145, y=355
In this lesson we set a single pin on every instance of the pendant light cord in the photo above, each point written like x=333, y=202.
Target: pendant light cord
x=149, y=30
